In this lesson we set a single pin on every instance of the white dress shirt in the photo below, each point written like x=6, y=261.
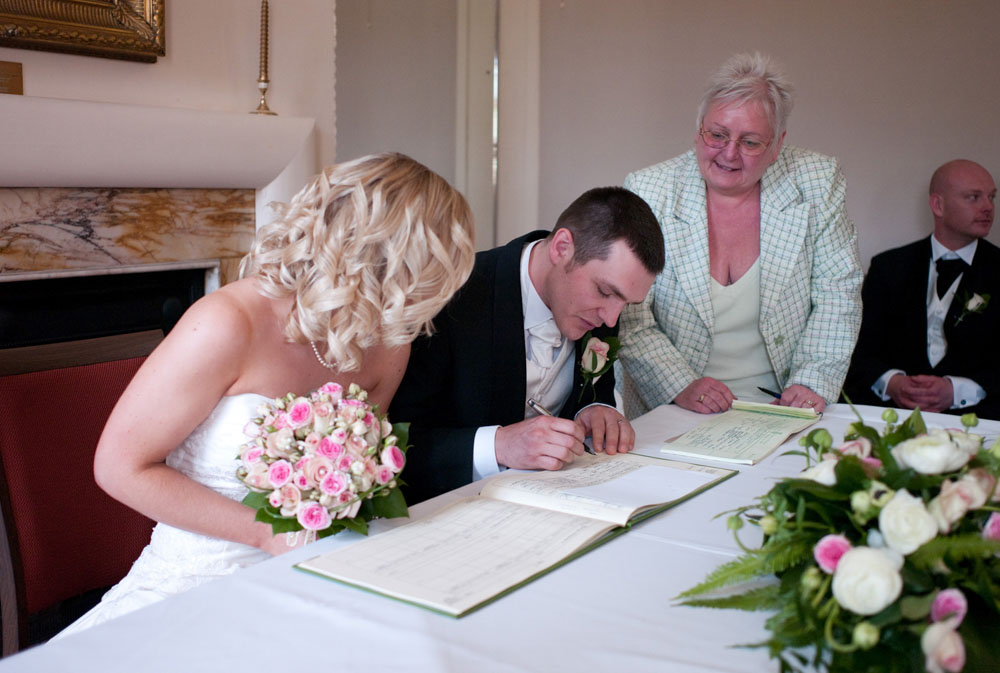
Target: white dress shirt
x=967, y=392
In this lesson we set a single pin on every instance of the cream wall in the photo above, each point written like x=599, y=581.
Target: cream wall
x=893, y=88
x=396, y=83
x=211, y=64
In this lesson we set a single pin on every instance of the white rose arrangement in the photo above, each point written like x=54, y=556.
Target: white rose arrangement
x=887, y=550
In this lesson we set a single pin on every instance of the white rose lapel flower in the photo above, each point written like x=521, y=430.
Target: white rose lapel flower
x=598, y=357
x=973, y=304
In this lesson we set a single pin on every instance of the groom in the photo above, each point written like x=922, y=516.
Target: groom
x=515, y=331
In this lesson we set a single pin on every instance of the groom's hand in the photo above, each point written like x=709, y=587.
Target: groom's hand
x=609, y=431
x=543, y=442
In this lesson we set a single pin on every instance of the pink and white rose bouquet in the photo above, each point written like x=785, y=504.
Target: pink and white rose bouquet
x=886, y=550
x=323, y=462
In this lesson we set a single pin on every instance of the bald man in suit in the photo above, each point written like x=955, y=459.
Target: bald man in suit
x=928, y=329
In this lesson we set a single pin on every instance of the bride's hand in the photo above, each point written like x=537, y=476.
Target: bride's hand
x=284, y=542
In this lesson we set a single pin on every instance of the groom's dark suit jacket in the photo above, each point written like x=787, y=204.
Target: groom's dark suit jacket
x=471, y=373
x=894, y=325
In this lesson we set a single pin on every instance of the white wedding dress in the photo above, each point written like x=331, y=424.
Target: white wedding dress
x=176, y=560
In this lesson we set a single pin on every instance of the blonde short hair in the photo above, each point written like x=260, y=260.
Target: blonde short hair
x=371, y=250
x=746, y=78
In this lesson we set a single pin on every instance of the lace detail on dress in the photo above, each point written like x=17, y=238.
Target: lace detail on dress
x=176, y=560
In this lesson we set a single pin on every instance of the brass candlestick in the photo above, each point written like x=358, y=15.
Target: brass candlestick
x=262, y=80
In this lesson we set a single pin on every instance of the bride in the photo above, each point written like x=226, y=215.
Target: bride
x=355, y=268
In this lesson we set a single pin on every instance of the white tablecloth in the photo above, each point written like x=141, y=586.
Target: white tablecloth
x=609, y=610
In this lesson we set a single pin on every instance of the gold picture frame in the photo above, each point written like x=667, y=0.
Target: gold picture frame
x=123, y=29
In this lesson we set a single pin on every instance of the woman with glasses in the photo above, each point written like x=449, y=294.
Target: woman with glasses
x=760, y=296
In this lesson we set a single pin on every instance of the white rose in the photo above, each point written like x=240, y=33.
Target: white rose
x=933, y=453
x=974, y=302
x=966, y=441
x=867, y=580
x=822, y=472
x=906, y=524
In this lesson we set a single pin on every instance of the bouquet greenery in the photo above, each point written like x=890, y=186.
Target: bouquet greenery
x=885, y=551
x=323, y=462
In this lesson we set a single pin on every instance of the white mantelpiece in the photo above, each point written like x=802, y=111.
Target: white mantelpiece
x=48, y=142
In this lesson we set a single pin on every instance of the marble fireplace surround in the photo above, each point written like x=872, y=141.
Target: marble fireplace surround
x=112, y=190
x=145, y=157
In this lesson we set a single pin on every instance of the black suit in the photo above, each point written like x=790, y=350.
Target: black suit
x=471, y=373
x=894, y=325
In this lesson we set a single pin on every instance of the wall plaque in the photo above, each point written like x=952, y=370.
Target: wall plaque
x=10, y=78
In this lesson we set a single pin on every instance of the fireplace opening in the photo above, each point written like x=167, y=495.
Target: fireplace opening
x=69, y=319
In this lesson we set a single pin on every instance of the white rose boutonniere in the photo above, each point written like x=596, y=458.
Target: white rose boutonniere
x=598, y=357
x=976, y=303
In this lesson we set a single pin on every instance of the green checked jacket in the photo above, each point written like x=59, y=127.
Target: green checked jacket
x=810, y=299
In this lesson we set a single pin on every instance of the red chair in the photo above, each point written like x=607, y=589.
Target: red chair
x=65, y=541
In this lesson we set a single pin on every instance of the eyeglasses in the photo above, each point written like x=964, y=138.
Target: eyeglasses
x=748, y=147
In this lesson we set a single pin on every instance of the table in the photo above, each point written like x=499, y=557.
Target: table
x=609, y=610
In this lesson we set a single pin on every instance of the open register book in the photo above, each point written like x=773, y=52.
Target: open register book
x=746, y=433
x=521, y=525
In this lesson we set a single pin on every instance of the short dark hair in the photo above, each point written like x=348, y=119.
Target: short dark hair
x=603, y=215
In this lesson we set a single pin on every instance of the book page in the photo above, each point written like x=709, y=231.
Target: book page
x=610, y=488
x=462, y=555
x=741, y=435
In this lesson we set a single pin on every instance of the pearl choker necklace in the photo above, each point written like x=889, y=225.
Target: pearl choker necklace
x=320, y=357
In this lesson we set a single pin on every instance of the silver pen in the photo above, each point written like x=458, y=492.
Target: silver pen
x=545, y=412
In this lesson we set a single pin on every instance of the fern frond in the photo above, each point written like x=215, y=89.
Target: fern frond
x=762, y=598
x=770, y=560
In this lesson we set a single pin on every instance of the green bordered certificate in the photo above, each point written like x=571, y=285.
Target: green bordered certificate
x=746, y=434
x=521, y=526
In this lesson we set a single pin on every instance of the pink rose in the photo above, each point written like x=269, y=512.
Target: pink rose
x=595, y=355
x=986, y=481
x=861, y=447
x=357, y=445
x=257, y=477
x=300, y=413
x=251, y=429
x=312, y=440
x=991, y=531
x=281, y=421
x=943, y=648
x=350, y=511
x=344, y=463
x=278, y=443
x=317, y=469
x=333, y=483
x=329, y=448
x=384, y=475
x=829, y=550
x=334, y=390
x=393, y=458
x=339, y=435
x=301, y=481
x=955, y=499
x=251, y=454
x=279, y=473
x=313, y=516
x=323, y=409
x=949, y=603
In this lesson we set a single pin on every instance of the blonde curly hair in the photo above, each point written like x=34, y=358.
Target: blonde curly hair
x=371, y=250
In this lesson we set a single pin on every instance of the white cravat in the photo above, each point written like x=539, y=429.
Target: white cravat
x=544, y=339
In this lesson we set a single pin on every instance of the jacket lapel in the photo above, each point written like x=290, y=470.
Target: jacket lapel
x=508, y=389
x=784, y=220
x=687, y=236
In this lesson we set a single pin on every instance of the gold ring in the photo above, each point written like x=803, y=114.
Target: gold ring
x=701, y=399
